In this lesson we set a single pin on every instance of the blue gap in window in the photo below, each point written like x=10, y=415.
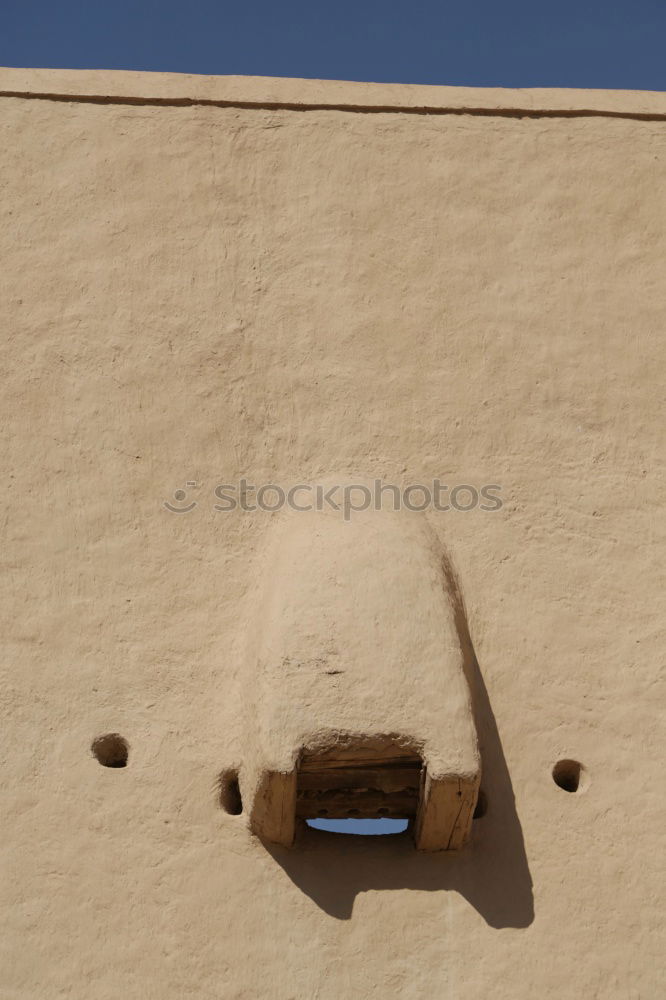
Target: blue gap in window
x=360, y=827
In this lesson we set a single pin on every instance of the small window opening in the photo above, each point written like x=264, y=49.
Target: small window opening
x=111, y=750
x=379, y=827
x=370, y=788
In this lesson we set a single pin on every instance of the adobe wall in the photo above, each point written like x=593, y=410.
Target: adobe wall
x=205, y=279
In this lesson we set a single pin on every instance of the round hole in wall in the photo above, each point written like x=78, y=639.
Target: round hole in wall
x=383, y=811
x=570, y=776
x=229, y=792
x=481, y=805
x=352, y=812
x=111, y=750
x=322, y=812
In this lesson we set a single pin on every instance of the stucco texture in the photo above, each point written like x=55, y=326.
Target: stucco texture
x=242, y=283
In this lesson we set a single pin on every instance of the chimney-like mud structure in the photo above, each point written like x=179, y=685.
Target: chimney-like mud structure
x=357, y=703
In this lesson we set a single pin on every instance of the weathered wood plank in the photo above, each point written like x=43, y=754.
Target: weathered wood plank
x=384, y=779
x=368, y=804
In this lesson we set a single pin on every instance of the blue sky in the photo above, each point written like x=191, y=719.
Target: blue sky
x=570, y=43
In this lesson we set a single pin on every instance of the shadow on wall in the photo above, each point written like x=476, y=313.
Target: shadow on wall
x=491, y=872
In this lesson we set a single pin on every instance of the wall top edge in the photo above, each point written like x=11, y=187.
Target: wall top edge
x=120, y=86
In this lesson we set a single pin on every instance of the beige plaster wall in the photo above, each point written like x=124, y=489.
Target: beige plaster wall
x=204, y=279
